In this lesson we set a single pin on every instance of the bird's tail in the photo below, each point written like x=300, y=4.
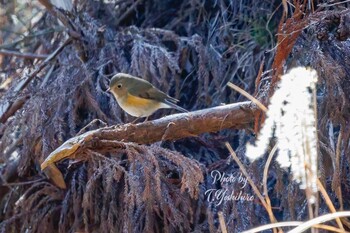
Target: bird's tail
x=175, y=106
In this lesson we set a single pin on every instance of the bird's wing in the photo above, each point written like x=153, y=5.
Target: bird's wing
x=173, y=105
x=150, y=92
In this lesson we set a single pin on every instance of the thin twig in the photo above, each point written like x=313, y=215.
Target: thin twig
x=329, y=202
x=246, y=94
x=222, y=222
x=324, y=218
x=255, y=189
x=266, y=169
x=13, y=107
x=314, y=99
x=30, y=36
x=24, y=183
x=273, y=225
x=42, y=65
x=292, y=224
x=337, y=189
x=325, y=5
x=126, y=13
x=24, y=55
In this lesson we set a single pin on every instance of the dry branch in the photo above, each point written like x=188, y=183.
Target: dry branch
x=183, y=125
x=24, y=55
x=172, y=127
x=8, y=108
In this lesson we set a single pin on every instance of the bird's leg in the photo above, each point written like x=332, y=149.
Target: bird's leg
x=134, y=121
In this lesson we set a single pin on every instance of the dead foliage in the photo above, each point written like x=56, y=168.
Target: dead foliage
x=123, y=187
x=328, y=53
x=189, y=49
x=314, y=39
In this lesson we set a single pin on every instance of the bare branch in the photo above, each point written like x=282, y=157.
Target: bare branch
x=24, y=55
x=171, y=127
x=7, y=108
x=183, y=125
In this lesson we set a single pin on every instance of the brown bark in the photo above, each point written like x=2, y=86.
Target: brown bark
x=182, y=125
x=171, y=127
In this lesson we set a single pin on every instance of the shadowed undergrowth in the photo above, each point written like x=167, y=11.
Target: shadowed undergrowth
x=130, y=188
x=190, y=50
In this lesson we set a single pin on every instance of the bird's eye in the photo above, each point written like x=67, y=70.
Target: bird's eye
x=119, y=86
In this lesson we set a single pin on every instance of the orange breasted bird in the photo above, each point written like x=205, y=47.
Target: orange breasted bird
x=138, y=97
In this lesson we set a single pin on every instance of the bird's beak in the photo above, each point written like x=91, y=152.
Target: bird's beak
x=108, y=90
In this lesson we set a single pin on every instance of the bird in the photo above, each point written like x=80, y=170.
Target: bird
x=138, y=97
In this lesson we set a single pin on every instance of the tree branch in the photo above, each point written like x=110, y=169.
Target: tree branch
x=182, y=125
x=8, y=108
x=172, y=127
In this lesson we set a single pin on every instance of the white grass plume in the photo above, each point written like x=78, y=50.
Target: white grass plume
x=291, y=114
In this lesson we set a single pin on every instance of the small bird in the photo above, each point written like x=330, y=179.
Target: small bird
x=138, y=97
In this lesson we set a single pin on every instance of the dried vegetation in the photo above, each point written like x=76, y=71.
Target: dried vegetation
x=189, y=49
